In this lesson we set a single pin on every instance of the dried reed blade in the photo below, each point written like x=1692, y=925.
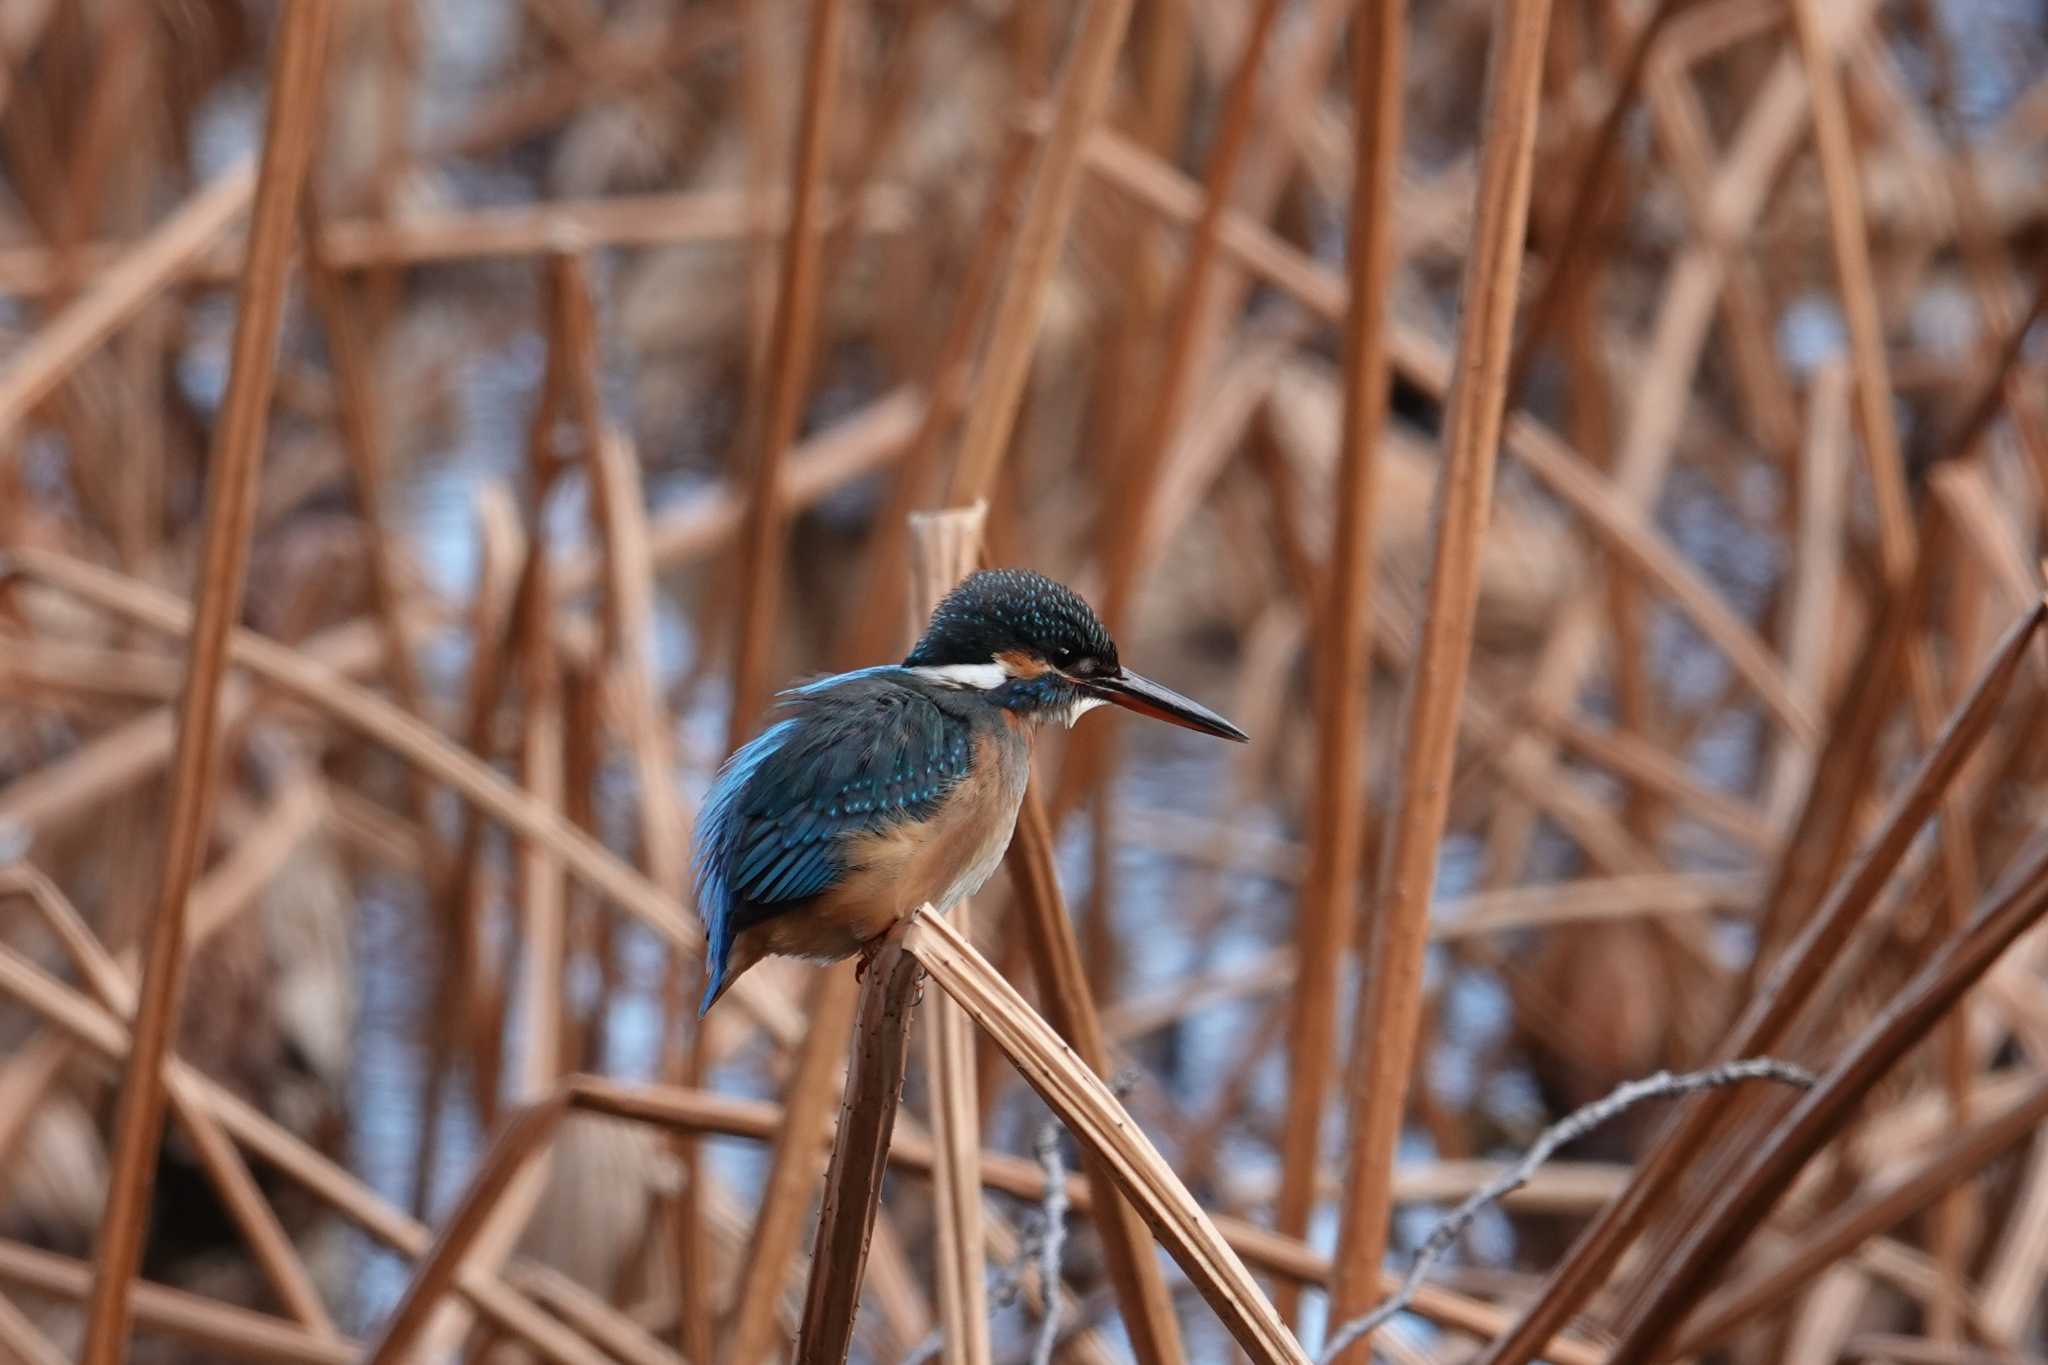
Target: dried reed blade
x=1093, y=1115
x=1062, y=980
x=1389, y=1014
x=290, y=125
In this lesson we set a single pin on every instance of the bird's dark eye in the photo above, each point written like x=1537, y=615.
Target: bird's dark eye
x=1062, y=657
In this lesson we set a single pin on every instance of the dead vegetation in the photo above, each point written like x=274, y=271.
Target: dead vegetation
x=1596, y=447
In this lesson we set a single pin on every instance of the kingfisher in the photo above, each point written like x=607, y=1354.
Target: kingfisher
x=881, y=790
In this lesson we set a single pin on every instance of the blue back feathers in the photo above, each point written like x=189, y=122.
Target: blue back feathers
x=854, y=754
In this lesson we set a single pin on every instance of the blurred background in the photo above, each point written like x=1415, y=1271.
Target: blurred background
x=530, y=367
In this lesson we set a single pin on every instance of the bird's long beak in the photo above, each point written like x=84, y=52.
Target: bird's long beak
x=1136, y=693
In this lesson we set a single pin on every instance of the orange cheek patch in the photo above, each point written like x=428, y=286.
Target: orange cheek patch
x=1018, y=664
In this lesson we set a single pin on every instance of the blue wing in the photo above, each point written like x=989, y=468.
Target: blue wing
x=855, y=754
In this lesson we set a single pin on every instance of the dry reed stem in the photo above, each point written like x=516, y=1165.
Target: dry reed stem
x=34, y=372
x=518, y=1148
x=1834, y=143
x=1843, y=1228
x=860, y=1153
x=1062, y=980
x=807, y=1099
x=453, y=236
x=1078, y=104
x=290, y=126
x=22, y=1342
x=1389, y=1014
x=1093, y=1115
x=1137, y=475
x=1775, y=1002
x=100, y=1030
x=1343, y=653
x=113, y=982
x=1268, y=1252
x=946, y=547
x=234, y=1332
x=1610, y=509
x=293, y=673
x=1742, y=1204
x=792, y=342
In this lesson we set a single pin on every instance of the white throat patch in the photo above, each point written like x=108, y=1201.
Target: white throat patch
x=1080, y=707
x=982, y=676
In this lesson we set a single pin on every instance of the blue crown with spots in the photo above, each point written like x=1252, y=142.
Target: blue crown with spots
x=999, y=611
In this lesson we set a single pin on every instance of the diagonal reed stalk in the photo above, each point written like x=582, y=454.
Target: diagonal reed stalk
x=290, y=124
x=1741, y=1205
x=1385, y=1032
x=1084, y=1103
x=1773, y=1006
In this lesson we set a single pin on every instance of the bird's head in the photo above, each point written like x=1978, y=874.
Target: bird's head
x=1037, y=647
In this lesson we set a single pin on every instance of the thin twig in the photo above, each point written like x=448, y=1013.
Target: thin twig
x=1052, y=1241
x=1565, y=1131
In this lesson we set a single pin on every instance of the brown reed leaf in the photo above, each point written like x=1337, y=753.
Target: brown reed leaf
x=1093, y=1115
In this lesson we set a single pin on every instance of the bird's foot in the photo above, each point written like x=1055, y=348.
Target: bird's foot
x=867, y=955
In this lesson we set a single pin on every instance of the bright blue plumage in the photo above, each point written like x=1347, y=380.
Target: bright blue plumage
x=855, y=754
x=888, y=788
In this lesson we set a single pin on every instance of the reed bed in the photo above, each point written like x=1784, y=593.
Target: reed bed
x=1596, y=448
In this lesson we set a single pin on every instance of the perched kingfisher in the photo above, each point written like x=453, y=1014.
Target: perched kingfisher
x=888, y=788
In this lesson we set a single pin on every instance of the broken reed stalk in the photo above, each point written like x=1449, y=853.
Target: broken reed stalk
x=1383, y=1041
x=860, y=1155
x=1344, y=639
x=792, y=344
x=807, y=1101
x=1091, y=1112
x=1078, y=104
x=1772, y=1007
x=1743, y=1204
x=237, y=452
x=946, y=547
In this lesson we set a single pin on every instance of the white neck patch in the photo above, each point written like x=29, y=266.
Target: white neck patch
x=982, y=676
x=1080, y=707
